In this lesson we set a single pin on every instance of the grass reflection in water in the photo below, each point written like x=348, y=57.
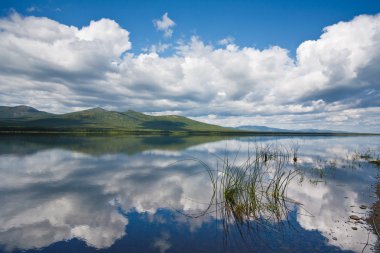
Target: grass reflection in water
x=251, y=193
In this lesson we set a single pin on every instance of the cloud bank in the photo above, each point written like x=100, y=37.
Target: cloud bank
x=331, y=83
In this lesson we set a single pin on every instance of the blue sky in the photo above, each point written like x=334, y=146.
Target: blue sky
x=252, y=23
x=288, y=64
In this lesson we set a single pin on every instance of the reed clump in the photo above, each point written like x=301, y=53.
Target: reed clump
x=252, y=190
x=370, y=155
x=255, y=189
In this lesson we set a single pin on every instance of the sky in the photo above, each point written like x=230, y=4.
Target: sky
x=286, y=64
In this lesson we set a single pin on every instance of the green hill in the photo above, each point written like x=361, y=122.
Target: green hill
x=23, y=118
x=20, y=112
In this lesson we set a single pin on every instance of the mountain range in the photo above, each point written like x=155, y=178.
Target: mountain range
x=25, y=118
x=28, y=119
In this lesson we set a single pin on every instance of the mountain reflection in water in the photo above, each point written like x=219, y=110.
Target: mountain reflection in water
x=138, y=194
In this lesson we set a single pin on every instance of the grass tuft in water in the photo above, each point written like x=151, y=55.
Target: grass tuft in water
x=252, y=193
x=255, y=189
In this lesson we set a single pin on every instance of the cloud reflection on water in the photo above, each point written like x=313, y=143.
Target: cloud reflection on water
x=56, y=194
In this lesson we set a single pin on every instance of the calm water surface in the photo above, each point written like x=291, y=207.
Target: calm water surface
x=141, y=194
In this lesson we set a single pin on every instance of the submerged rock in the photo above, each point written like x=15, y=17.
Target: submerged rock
x=354, y=217
x=363, y=207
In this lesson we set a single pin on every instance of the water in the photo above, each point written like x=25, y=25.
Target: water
x=140, y=194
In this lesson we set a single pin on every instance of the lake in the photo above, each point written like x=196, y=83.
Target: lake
x=169, y=194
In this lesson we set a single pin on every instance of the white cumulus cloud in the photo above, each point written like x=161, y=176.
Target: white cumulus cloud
x=61, y=68
x=226, y=41
x=165, y=25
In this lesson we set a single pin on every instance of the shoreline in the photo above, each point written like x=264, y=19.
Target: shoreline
x=175, y=133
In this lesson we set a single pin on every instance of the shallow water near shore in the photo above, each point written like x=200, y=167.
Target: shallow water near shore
x=150, y=193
